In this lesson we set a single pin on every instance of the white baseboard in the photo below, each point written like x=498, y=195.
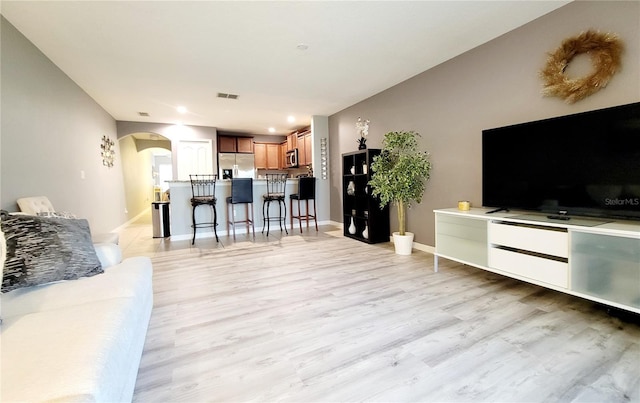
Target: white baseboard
x=424, y=248
x=243, y=230
x=416, y=245
x=131, y=221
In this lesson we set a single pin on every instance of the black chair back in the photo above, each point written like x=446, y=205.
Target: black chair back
x=307, y=188
x=203, y=186
x=241, y=190
x=276, y=184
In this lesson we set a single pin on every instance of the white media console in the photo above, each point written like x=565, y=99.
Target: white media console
x=593, y=258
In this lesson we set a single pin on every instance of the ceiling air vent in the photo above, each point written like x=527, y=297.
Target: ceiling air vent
x=143, y=113
x=228, y=96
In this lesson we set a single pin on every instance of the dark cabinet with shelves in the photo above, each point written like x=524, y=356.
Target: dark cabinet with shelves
x=362, y=217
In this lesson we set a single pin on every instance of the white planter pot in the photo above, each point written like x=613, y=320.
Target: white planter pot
x=403, y=243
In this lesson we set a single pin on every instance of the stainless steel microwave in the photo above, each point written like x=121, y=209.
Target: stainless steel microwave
x=292, y=158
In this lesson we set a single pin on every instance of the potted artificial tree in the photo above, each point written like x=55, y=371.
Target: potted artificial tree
x=399, y=176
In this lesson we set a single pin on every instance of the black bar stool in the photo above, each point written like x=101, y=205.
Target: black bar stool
x=241, y=193
x=306, y=192
x=203, y=193
x=276, y=185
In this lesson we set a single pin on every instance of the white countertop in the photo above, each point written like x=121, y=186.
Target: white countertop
x=224, y=181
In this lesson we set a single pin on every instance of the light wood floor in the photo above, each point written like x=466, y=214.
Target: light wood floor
x=317, y=317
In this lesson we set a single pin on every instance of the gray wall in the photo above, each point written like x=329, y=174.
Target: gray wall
x=494, y=85
x=51, y=131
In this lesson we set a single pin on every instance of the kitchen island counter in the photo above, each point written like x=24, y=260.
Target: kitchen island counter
x=180, y=208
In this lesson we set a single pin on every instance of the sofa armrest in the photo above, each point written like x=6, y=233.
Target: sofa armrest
x=108, y=253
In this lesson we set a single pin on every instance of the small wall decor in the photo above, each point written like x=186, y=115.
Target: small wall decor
x=363, y=130
x=605, y=50
x=108, y=152
x=323, y=157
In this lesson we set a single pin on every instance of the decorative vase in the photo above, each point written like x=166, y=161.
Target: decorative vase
x=365, y=233
x=403, y=243
x=351, y=188
x=365, y=168
x=352, y=227
x=362, y=143
x=353, y=170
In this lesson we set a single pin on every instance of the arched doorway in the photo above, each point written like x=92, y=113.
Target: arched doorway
x=146, y=166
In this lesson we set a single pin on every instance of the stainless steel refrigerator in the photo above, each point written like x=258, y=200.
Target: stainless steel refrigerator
x=231, y=165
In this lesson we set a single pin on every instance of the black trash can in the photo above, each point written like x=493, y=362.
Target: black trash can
x=160, y=219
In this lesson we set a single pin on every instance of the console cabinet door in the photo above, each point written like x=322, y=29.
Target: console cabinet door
x=461, y=238
x=606, y=267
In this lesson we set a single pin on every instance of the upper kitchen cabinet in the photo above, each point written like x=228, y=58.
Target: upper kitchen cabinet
x=283, y=155
x=231, y=144
x=261, y=155
x=292, y=141
x=304, y=147
x=267, y=155
x=245, y=144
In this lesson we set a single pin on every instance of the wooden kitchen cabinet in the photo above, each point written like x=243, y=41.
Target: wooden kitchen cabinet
x=260, y=155
x=292, y=141
x=227, y=144
x=273, y=156
x=245, y=144
x=283, y=155
x=304, y=148
x=267, y=155
x=231, y=144
x=308, y=148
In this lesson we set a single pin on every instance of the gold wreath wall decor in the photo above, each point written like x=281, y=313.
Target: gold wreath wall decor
x=605, y=50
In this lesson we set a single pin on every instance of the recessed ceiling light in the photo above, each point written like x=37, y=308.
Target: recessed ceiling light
x=302, y=46
x=272, y=130
x=291, y=119
x=182, y=109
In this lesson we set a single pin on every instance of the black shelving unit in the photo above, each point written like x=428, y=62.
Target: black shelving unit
x=370, y=223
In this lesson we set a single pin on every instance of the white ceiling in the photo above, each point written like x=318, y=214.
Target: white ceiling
x=152, y=56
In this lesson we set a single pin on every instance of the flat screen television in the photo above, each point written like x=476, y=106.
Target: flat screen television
x=586, y=164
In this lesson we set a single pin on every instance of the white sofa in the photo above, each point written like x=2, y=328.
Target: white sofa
x=77, y=340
